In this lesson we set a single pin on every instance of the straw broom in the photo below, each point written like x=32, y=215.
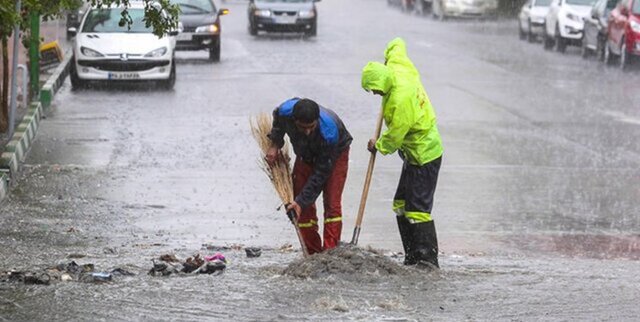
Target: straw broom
x=279, y=173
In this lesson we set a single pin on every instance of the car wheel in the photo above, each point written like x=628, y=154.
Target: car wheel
x=561, y=44
x=600, y=50
x=253, y=30
x=313, y=31
x=418, y=7
x=214, y=52
x=521, y=32
x=624, y=57
x=585, y=52
x=76, y=82
x=547, y=41
x=171, y=81
x=608, y=56
x=437, y=12
x=530, y=36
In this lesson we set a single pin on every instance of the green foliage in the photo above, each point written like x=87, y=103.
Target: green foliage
x=160, y=15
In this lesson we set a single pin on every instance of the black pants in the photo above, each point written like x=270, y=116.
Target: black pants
x=414, y=196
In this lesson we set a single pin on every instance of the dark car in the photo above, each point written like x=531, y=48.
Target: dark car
x=200, y=26
x=595, y=28
x=74, y=16
x=623, y=34
x=283, y=16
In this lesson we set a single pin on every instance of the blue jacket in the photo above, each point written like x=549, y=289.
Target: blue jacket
x=320, y=149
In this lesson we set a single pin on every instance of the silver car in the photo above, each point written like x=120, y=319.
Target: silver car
x=531, y=19
x=442, y=9
x=105, y=51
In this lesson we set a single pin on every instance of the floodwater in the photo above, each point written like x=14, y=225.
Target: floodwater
x=536, y=207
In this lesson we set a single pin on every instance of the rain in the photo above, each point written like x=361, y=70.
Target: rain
x=536, y=205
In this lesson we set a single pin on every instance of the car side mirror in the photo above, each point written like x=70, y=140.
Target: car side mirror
x=223, y=12
x=73, y=31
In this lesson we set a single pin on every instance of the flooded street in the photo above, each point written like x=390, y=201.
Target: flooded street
x=536, y=207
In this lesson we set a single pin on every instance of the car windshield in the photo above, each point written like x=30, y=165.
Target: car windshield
x=285, y=1
x=542, y=3
x=107, y=20
x=636, y=8
x=194, y=7
x=581, y=2
x=612, y=4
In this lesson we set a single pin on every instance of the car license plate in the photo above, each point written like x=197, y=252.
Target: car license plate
x=285, y=19
x=124, y=75
x=184, y=36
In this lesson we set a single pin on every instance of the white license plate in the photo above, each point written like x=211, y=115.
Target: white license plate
x=124, y=75
x=184, y=36
x=285, y=20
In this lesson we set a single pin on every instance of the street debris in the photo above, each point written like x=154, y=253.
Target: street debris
x=253, y=252
x=63, y=272
x=169, y=264
x=346, y=261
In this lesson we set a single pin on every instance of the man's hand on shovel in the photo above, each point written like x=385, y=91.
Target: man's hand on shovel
x=295, y=207
x=371, y=145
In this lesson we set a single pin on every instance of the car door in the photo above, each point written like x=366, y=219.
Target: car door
x=552, y=18
x=616, y=24
x=591, y=25
x=524, y=15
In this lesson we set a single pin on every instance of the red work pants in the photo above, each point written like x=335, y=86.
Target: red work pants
x=332, y=199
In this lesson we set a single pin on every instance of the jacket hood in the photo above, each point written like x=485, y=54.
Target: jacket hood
x=396, y=47
x=376, y=76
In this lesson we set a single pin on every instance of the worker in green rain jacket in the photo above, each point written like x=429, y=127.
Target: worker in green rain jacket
x=412, y=131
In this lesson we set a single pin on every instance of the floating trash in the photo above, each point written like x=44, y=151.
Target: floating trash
x=253, y=252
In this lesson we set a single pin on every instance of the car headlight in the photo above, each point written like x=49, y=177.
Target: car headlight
x=157, y=52
x=306, y=14
x=90, y=52
x=635, y=26
x=573, y=17
x=208, y=29
x=262, y=13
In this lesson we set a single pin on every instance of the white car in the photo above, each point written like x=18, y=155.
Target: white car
x=442, y=9
x=531, y=19
x=565, y=22
x=105, y=51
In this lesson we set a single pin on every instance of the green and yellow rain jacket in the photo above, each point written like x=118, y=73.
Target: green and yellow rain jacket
x=407, y=111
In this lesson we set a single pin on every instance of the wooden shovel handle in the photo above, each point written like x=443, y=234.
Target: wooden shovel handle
x=367, y=182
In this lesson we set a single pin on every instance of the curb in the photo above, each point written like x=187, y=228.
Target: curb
x=15, y=152
x=53, y=84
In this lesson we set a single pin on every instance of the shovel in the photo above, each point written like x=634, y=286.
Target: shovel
x=365, y=190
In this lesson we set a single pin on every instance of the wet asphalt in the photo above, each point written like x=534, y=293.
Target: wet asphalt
x=536, y=207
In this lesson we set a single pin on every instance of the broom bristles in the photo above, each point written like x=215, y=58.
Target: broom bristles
x=280, y=173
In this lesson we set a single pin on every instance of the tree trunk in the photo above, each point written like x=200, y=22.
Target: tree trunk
x=4, y=102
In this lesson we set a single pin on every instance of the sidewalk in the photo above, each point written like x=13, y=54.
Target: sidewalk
x=13, y=150
x=49, y=31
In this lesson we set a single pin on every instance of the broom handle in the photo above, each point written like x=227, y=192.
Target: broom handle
x=367, y=182
x=294, y=220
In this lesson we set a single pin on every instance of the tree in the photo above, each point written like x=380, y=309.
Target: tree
x=160, y=15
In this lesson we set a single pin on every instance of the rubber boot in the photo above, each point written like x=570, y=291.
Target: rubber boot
x=405, y=227
x=425, y=244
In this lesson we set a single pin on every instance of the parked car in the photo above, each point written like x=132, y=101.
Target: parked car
x=565, y=22
x=531, y=19
x=595, y=28
x=442, y=9
x=283, y=16
x=105, y=51
x=201, y=30
x=74, y=16
x=623, y=34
